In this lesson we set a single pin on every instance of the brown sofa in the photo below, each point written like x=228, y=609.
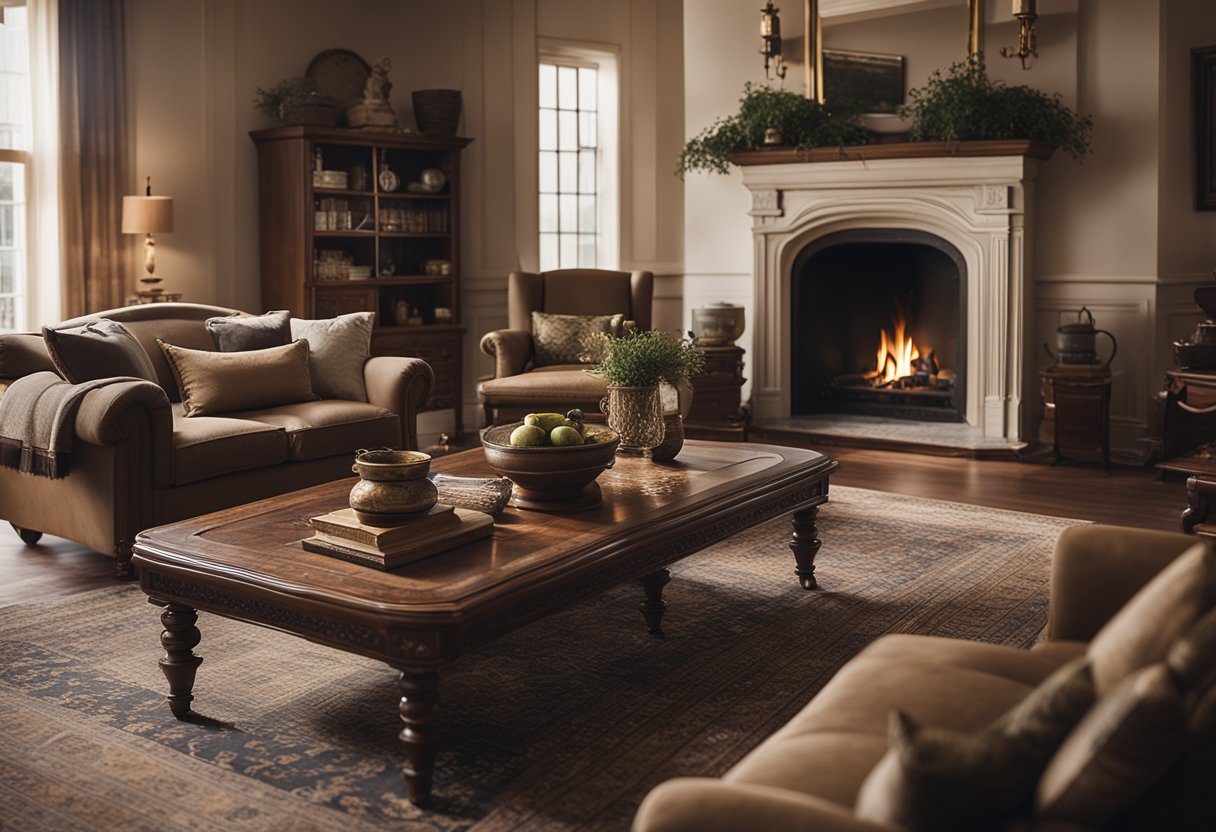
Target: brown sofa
x=138, y=461
x=807, y=776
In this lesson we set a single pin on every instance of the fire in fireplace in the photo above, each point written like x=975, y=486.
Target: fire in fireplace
x=878, y=326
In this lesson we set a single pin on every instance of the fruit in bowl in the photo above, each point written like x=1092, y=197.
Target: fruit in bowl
x=553, y=459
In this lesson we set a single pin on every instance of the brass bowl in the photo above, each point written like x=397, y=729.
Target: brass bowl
x=548, y=477
x=392, y=488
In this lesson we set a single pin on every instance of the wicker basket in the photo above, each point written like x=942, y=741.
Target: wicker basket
x=437, y=111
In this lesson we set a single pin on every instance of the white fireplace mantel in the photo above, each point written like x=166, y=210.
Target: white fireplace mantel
x=980, y=205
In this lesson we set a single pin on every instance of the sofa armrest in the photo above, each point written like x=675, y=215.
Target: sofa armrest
x=1097, y=569
x=698, y=804
x=511, y=350
x=402, y=385
x=116, y=413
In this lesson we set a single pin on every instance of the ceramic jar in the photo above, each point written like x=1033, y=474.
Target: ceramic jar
x=673, y=438
x=392, y=487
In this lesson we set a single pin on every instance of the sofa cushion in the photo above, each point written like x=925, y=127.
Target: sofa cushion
x=208, y=446
x=217, y=382
x=23, y=353
x=1148, y=625
x=559, y=339
x=830, y=747
x=99, y=349
x=1192, y=659
x=338, y=349
x=328, y=427
x=1121, y=748
x=190, y=334
x=238, y=333
x=938, y=778
x=559, y=384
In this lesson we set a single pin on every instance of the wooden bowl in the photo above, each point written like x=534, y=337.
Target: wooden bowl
x=551, y=478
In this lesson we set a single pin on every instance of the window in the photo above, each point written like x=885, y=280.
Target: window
x=577, y=164
x=14, y=166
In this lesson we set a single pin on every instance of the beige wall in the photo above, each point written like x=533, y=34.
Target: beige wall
x=1116, y=233
x=194, y=66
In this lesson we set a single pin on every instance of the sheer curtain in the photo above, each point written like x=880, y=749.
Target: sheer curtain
x=44, y=260
x=94, y=168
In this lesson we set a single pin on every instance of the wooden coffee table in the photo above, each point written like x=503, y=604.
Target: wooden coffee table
x=246, y=563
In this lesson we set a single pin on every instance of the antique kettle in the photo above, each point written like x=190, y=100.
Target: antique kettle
x=1077, y=343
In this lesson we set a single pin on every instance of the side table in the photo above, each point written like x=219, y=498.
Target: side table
x=1190, y=422
x=1076, y=415
x=717, y=411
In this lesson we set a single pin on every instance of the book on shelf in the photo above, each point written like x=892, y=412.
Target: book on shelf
x=469, y=526
x=344, y=525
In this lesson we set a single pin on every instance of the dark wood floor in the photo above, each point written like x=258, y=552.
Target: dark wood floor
x=1130, y=497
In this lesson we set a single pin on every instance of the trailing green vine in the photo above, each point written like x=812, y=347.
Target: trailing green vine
x=801, y=122
x=966, y=105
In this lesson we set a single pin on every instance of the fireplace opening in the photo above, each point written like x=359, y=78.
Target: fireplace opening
x=879, y=326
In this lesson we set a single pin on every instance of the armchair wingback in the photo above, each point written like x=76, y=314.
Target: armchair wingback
x=138, y=461
x=519, y=386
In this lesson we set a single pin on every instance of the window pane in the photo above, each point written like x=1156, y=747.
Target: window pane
x=568, y=133
x=548, y=252
x=586, y=88
x=8, y=314
x=14, y=80
x=548, y=172
x=567, y=87
x=548, y=85
x=548, y=130
x=586, y=214
x=8, y=272
x=586, y=129
x=586, y=172
x=569, y=172
x=569, y=212
x=8, y=233
x=586, y=251
x=569, y=258
x=548, y=213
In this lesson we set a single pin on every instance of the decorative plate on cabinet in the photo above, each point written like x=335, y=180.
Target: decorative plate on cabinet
x=340, y=74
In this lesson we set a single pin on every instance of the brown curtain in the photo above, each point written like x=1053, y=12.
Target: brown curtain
x=94, y=170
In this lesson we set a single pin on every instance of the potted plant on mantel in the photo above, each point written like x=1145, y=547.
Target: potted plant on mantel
x=633, y=365
x=961, y=113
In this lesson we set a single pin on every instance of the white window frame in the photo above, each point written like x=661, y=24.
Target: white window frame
x=605, y=58
x=23, y=291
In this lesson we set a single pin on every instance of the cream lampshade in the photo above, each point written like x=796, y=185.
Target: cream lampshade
x=148, y=215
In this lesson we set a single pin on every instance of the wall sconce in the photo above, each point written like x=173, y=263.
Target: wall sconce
x=1024, y=11
x=770, y=32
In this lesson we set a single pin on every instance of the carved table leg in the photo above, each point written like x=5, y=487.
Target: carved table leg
x=420, y=712
x=805, y=545
x=654, y=606
x=179, y=664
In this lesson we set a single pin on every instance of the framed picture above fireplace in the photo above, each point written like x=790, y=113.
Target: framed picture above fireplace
x=1204, y=91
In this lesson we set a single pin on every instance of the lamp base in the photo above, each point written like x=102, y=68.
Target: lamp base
x=153, y=296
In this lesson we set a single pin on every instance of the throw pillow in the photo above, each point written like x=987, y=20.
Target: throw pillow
x=1120, y=749
x=1192, y=659
x=236, y=333
x=338, y=348
x=938, y=778
x=96, y=350
x=558, y=339
x=222, y=382
x=1147, y=626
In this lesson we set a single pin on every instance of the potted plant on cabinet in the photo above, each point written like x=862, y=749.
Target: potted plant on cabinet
x=633, y=365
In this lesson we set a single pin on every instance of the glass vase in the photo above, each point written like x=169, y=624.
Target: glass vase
x=636, y=413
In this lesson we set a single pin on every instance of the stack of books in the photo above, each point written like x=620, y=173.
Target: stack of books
x=339, y=534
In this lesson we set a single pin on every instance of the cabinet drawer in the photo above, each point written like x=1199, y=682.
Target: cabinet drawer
x=330, y=302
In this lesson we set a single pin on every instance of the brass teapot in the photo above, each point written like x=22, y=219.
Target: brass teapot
x=1077, y=343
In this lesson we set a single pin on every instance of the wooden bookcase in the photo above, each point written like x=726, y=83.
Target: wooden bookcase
x=392, y=234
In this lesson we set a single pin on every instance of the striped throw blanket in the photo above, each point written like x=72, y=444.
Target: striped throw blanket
x=38, y=422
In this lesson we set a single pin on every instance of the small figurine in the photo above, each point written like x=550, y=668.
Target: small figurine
x=374, y=109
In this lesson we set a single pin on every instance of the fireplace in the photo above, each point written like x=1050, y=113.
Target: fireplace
x=965, y=215
x=878, y=326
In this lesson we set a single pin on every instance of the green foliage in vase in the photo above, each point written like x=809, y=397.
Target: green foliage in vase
x=644, y=358
x=291, y=92
x=966, y=105
x=801, y=122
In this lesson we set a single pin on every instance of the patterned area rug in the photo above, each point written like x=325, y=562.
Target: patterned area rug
x=565, y=724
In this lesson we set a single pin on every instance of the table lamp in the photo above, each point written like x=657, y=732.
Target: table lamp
x=148, y=215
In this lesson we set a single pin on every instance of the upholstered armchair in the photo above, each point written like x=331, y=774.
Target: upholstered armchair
x=519, y=385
